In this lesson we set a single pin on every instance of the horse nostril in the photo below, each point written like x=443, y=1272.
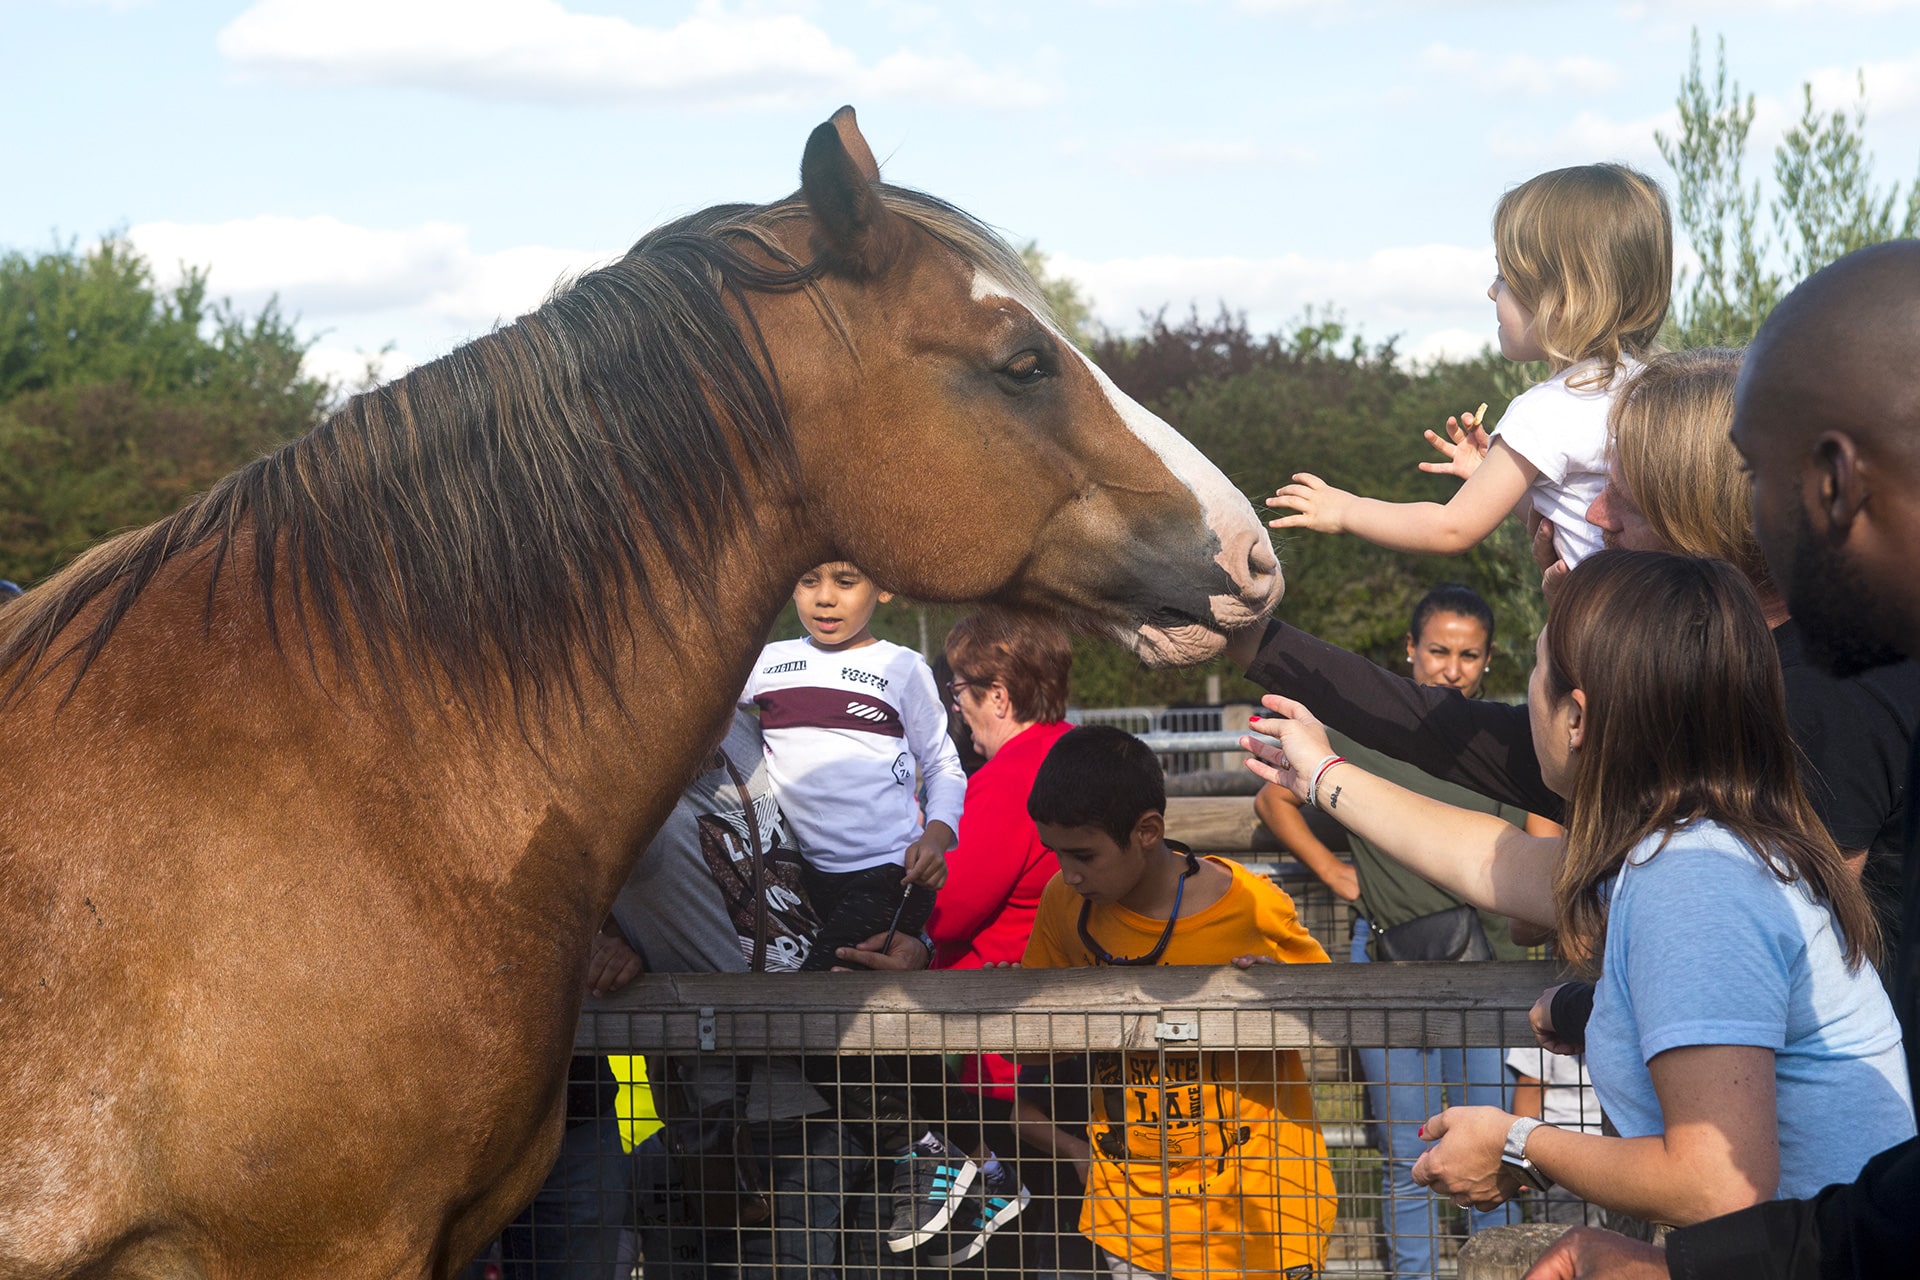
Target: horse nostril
x=1261, y=562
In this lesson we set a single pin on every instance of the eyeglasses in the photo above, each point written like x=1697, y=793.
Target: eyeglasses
x=1103, y=956
x=958, y=685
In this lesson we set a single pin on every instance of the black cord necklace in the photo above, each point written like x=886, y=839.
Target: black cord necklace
x=1102, y=956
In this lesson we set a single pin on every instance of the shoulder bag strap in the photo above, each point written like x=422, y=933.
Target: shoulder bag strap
x=755, y=856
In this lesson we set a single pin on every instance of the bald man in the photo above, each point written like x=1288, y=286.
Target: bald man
x=1827, y=417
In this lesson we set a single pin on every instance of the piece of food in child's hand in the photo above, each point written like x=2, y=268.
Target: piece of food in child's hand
x=1480, y=414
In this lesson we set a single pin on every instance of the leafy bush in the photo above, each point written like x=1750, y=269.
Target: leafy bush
x=119, y=400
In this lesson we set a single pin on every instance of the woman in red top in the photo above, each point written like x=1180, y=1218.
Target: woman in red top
x=1010, y=685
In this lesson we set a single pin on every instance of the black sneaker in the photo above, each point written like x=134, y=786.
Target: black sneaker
x=929, y=1181
x=996, y=1201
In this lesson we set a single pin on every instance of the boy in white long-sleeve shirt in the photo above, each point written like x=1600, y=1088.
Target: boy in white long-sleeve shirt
x=849, y=722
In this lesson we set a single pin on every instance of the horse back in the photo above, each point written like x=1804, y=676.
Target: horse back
x=229, y=896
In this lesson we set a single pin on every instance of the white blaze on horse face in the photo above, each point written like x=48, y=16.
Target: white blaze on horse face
x=1245, y=554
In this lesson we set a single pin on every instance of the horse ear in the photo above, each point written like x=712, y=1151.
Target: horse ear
x=837, y=173
x=848, y=127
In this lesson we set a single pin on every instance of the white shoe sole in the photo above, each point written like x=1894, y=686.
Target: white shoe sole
x=1011, y=1210
x=962, y=1181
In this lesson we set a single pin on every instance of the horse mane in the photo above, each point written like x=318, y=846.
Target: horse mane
x=486, y=519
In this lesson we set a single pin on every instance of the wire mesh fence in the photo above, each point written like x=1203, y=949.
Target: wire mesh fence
x=1196, y=1122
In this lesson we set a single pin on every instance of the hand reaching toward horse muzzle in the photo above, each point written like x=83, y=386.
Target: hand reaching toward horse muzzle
x=1302, y=748
x=1316, y=505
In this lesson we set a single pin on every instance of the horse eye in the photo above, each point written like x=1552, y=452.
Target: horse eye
x=1025, y=367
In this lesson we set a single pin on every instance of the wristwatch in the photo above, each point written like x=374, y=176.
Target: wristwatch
x=1515, y=1154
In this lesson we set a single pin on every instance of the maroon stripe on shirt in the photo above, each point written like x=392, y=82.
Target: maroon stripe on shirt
x=815, y=708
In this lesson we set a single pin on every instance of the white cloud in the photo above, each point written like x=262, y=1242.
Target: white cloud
x=1588, y=138
x=1671, y=9
x=1519, y=73
x=1450, y=344
x=1893, y=85
x=423, y=287
x=1431, y=293
x=328, y=267
x=907, y=15
x=354, y=368
x=536, y=50
x=1203, y=154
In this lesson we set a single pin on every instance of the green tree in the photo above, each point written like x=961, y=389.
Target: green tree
x=119, y=399
x=1723, y=302
x=1321, y=400
x=1828, y=205
x=1825, y=203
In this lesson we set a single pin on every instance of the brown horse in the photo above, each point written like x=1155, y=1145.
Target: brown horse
x=320, y=786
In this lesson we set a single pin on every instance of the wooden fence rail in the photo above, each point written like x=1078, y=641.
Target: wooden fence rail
x=1036, y=1010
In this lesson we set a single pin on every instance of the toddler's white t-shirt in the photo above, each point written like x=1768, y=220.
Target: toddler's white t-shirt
x=846, y=733
x=1562, y=431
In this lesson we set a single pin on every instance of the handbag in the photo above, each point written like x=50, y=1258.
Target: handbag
x=1453, y=934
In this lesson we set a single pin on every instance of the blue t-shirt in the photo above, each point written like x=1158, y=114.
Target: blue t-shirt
x=1705, y=945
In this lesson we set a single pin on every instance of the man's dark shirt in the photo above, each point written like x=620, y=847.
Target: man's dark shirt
x=1853, y=736
x=1481, y=745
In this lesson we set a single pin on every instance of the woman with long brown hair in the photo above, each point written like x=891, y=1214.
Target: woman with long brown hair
x=1740, y=1041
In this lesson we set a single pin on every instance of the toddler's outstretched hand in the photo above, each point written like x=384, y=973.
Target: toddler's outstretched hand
x=1321, y=507
x=1465, y=448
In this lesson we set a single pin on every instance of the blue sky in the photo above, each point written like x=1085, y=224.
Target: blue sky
x=412, y=171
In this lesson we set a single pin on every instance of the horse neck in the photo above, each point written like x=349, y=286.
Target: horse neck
x=618, y=769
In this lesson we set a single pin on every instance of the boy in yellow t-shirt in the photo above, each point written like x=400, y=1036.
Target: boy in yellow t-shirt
x=1204, y=1163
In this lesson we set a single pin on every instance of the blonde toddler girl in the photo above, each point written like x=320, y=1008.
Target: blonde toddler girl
x=1585, y=257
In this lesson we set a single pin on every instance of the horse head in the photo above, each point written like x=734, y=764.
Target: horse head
x=1039, y=481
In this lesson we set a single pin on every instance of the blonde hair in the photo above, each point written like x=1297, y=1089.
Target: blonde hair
x=1589, y=251
x=1667, y=437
